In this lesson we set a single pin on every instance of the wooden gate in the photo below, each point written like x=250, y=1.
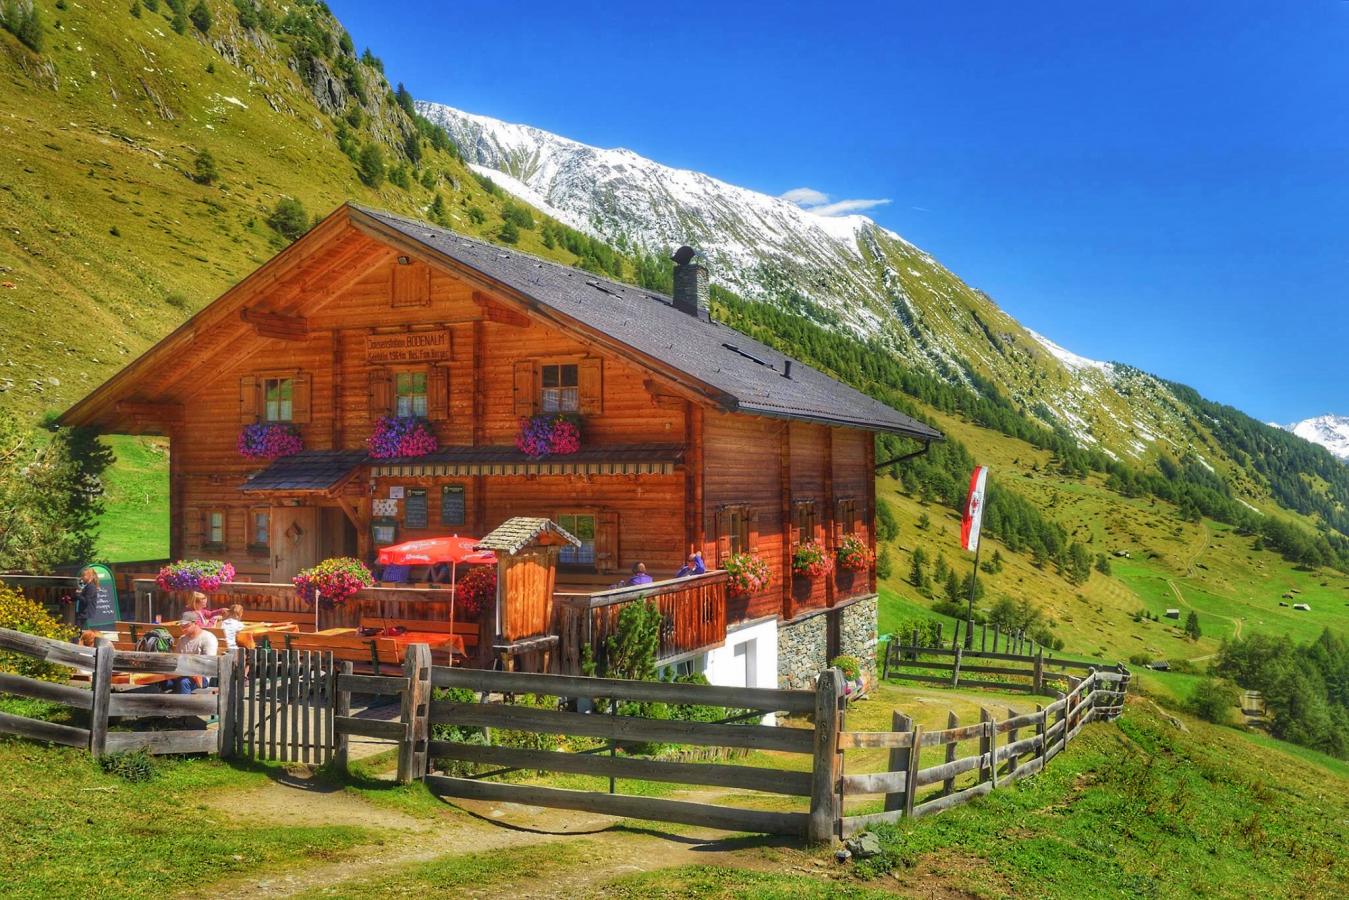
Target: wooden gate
x=283, y=705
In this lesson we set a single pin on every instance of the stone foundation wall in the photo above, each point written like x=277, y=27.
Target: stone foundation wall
x=802, y=648
x=857, y=634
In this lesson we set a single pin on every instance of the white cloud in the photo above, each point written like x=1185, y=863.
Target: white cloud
x=804, y=197
x=819, y=203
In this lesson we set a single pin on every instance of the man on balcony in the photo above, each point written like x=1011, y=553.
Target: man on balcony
x=639, y=576
x=693, y=567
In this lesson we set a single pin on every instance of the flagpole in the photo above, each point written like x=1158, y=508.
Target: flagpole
x=974, y=583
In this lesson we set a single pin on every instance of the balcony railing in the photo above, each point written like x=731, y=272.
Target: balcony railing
x=693, y=617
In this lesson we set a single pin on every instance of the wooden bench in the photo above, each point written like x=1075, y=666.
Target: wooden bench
x=372, y=655
x=128, y=633
x=467, y=632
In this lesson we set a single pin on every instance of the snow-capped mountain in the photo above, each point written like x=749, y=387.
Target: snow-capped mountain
x=844, y=271
x=1330, y=431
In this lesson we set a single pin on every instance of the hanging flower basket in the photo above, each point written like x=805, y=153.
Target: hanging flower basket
x=269, y=440
x=749, y=575
x=332, y=581
x=550, y=434
x=475, y=591
x=810, y=561
x=205, y=575
x=397, y=436
x=854, y=555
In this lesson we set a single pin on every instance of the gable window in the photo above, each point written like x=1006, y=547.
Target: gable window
x=277, y=399
x=803, y=519
x=582, y=527
x=560, y=387
x=410, y=394
x=215, y=528
x=260, y=529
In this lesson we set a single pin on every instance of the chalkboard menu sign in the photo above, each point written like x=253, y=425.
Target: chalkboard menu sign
x=414, y=508
x=452, y=504
x=105, y=611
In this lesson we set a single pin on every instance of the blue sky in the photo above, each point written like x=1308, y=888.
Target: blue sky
x=1160, y=183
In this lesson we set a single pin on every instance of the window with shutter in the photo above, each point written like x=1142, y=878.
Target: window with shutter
x=803, y=513
x=301, y=404
x=410, y=393
x=559, y=387
x=278, y=399
x=585, y=528
x=733, y=530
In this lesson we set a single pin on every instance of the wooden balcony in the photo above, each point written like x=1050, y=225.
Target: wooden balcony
x=693, y=613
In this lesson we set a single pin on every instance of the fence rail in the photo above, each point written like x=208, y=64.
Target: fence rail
x=953, y=666
x=1002, y=755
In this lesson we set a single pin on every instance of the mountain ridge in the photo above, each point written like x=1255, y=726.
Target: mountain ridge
x=1330, y=431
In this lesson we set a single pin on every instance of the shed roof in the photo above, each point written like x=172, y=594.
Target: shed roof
x=307, y=471
x=514, y=534
x=749, y=376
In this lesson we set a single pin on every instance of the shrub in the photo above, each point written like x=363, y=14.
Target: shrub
x=288, y=218
x=887, y=526
x=885, y=566
x=133, y=765
x=630, y=652
x=476, y=215
x=1213, y=700
x=201, y=17
x=398, y=176
x=176, y=299
x=19, y=613
x=509, y=233
x=24, y=21
x=849, y=666
x=179, y=22
x=370, y=165
x=204, y=170
x=517, y=215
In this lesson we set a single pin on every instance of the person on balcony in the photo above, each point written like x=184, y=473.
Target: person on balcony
x=694, y=566
x=639, y=576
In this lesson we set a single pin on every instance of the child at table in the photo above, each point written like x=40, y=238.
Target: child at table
x=232, y=624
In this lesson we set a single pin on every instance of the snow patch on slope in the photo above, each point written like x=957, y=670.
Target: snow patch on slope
x=1070, y=359
x=1330, y=431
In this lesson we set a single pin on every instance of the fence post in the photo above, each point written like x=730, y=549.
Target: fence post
x=1011, y=739
x=1038, y=679
x=224, y=708
x=824, y=805
x=911, y=774
x=413, y=715
x=997, y=630
x=1060, y=716
x=341, y=707
x=949, y=785
x=955, y=669
x=885, y=665
x=985, y=742
x=899, y=760
x=101, y=686
x=1040, y=729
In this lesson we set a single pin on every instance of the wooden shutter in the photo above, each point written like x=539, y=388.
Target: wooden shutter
x=723, y=527
x=411, y=285
x=590, y=381
x=606, y=540
x=381, y=392
x=248, y=399
x=751, y=526
x=524, y=388
x=438, y=393
x=301, y=397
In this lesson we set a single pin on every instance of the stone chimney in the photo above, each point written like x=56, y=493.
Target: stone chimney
x=690, y=282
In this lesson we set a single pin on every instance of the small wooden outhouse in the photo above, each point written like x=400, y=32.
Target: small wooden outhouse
x=527, y=550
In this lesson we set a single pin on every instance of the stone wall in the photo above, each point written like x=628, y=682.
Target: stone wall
x=802, y=648
x=857, y=634
x=803, y=645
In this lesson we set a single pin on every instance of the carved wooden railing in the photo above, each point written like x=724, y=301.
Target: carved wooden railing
x=693, y=613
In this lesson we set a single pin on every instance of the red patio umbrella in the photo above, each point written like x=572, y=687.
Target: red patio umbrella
x=454, y=550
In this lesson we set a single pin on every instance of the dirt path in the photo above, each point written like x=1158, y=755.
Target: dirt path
x=469, y=827
x=1180, y=598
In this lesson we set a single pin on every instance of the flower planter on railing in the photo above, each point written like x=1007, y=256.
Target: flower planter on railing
x=205, y=575
x=333, y=581
x=400, y=436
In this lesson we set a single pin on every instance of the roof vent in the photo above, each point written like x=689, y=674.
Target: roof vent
x=690, y=282
x=786, y=368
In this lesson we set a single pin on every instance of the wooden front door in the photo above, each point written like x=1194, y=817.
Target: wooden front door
x=295, y=541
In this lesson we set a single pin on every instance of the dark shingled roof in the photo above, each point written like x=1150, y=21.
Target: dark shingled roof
x=749, y=374
x=617, y=453
x=308, y=470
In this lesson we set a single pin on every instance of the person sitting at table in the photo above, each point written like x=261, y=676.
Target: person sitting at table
x=439, y=573
x=194, y=641
x=232, y=624
x=198, y=612
x=638, y=576
x=694, y=566
x=395, y=574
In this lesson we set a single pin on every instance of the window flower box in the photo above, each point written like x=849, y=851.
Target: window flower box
x=399, y=436
x=269, y=440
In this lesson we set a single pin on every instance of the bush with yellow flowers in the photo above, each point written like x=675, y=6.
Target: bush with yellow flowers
x=19, y=613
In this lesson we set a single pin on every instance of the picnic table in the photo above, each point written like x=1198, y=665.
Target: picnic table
x=437, y=640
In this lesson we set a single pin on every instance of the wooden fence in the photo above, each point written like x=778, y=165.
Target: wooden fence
x=1002, y=754
x=99, y=703
x=818, y=742
x=1035, y=673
